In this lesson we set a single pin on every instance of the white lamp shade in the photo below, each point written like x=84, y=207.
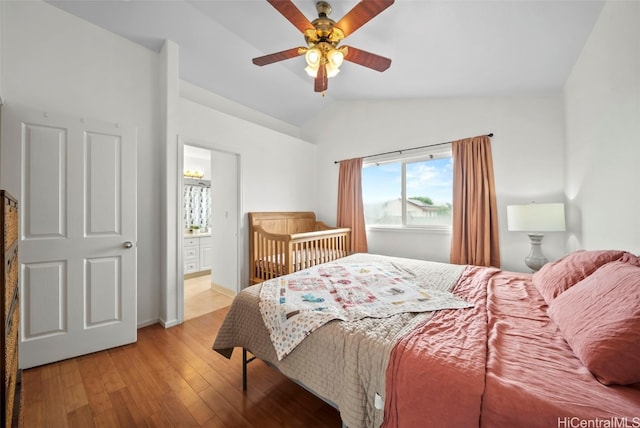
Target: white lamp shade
x=536, y=218
x=335, y=58
x=331, y=70
x=311, y=71
x=313, y=56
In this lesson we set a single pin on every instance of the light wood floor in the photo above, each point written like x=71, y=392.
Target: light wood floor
x=200, y=299
x=169, y=378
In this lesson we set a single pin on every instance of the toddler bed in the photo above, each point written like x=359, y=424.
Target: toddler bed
x=560, y=347
x=285, y=242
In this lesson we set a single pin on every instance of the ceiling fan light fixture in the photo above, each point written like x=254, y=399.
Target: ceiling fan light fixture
x=313, y=57
x=332, y=71
x=312, y=71
x=335, y=57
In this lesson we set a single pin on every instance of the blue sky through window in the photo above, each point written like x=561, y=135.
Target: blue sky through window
x=430, y=178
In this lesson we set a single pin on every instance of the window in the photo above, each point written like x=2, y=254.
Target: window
x=414, y=191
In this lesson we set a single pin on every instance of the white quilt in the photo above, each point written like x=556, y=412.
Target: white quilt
x=295, y=305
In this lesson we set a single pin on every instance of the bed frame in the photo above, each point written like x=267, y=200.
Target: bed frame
x=285, y=242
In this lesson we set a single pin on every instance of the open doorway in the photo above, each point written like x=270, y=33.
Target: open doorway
x=209, y=222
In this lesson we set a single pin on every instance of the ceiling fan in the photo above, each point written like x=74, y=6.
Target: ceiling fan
x=323, y=55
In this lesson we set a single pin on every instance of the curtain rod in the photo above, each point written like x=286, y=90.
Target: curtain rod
x=412, y=148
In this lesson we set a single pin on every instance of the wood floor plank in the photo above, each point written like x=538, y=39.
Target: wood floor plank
x=123, y=398
x=97, y=395
x=80, y=418
x=201, y=412
x=168, y=378
x=139, y=392
x=227, y=413
x=186, y=363
x=142, y=362
x=52, y=392
x=122, y=410
x=75, y=396
x=176, y=413
x=110, y=377
x=106, y=419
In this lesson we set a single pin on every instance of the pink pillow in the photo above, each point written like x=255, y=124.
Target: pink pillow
x=558, y=276
x=600, y=319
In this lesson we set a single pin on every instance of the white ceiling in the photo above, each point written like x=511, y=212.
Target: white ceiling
x=439, y=48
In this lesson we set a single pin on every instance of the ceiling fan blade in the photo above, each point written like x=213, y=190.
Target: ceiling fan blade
x=292, y=13
x=367, y=59
x=361, y=13
x=321, y=82
x=278, y=56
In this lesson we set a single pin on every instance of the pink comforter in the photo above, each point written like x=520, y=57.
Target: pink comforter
x=502, y=363
x=435, y=375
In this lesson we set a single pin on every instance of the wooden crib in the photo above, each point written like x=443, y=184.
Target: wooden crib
x=286, y=242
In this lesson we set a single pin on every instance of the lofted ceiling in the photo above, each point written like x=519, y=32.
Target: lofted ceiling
x=438, y=48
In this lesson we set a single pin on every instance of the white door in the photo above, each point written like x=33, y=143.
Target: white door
x=75, y=180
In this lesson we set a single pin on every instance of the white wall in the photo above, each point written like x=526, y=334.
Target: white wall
x=603, y=129
x=219, y=103
x=527, y=153
x=56, y=62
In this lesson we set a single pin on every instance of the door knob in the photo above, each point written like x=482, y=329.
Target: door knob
x=128, y=244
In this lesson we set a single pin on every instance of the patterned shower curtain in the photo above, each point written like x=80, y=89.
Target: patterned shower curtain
x=197, y=206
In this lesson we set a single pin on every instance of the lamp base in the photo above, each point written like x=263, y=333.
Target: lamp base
x=535, y=260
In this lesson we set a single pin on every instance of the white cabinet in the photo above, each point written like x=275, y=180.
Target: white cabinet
x=206, y=253
x=197, y=254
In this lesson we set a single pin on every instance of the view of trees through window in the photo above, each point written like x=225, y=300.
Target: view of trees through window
x=427, y=182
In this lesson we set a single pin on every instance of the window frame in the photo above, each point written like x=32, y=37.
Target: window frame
x=416, y=155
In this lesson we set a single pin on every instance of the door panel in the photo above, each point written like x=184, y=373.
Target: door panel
x=103, y=177
x=77, y=184
x=44, y=150
x=45, y=288
x=103, y=302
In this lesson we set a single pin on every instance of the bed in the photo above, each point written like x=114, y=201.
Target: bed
x=559, y=348
x=285, y=242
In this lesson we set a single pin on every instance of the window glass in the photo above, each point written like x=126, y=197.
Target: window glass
x=382, y=193
x=416, y=192
x=429, y=192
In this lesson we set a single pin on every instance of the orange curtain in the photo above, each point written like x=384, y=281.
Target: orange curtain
x=475, y=215
x=350, y=208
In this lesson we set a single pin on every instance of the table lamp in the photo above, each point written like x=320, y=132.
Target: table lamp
x=534, y=219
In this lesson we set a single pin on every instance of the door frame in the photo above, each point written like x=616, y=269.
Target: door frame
x=179, y=280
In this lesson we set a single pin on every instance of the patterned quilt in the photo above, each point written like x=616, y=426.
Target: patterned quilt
x=295, y=305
